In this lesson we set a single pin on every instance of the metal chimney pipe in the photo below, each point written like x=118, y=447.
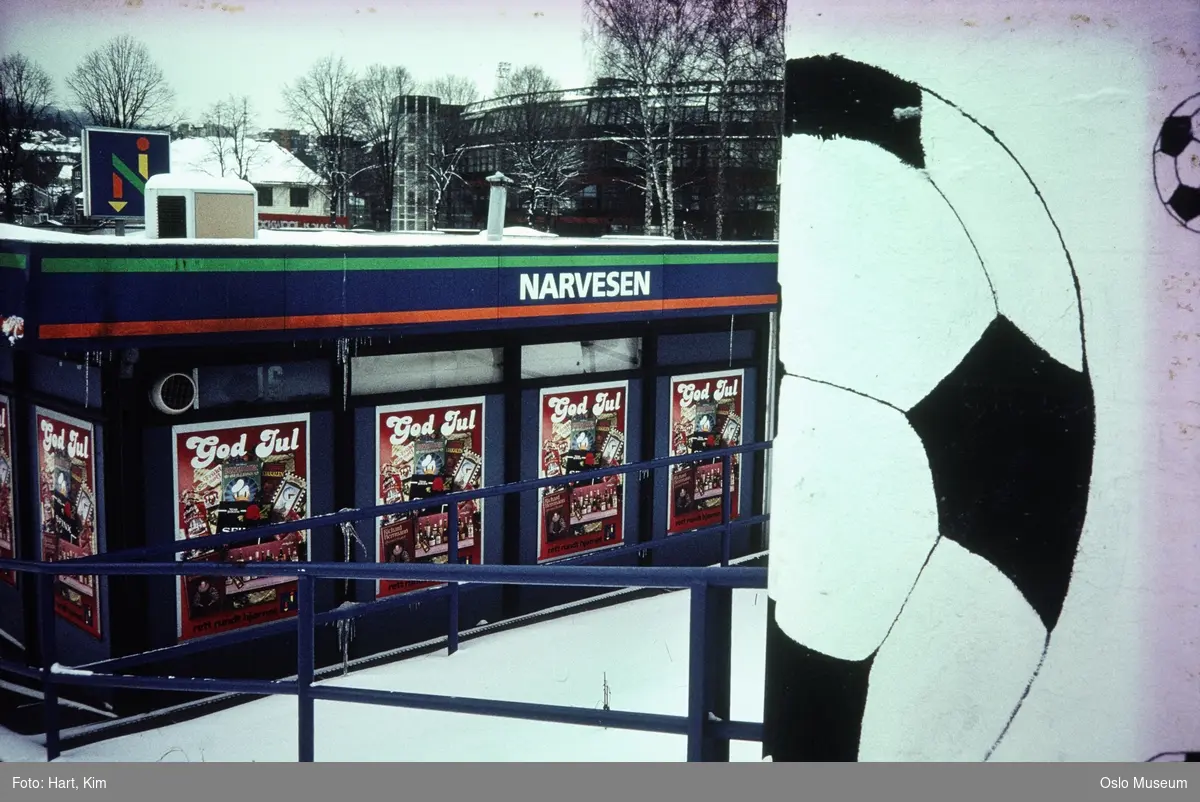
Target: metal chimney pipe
x=497, y=203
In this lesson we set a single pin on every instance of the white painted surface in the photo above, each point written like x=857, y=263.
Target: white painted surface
x=1009, y=226
x=875, y=273
x=1077, y=92
x=957, y=676
x=854, y=500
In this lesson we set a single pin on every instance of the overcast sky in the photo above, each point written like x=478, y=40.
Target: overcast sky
x=208, y=50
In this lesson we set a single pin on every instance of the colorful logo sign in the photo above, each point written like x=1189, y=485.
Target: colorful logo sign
x=116, y=166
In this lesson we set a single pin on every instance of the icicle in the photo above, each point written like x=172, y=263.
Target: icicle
x=343, y=359
x=731, y=317
x=348, y=532
x=345, y=630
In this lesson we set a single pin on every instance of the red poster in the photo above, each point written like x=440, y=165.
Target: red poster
x=230, y=476
x=582, y=429
x=706, y=414
x=424, y=451
x=8, y=520
x=67, y=494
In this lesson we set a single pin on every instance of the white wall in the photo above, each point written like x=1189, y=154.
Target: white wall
x=318, y=202
x=883, y=294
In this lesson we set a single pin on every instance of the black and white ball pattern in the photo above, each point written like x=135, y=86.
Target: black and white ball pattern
x=940, y=292
x=1177, y=163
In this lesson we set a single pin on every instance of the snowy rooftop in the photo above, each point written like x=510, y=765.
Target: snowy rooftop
x=199, y=181
x=331, y=238
x=265, y=162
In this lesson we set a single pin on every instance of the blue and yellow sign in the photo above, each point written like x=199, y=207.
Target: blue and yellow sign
x=116, y=165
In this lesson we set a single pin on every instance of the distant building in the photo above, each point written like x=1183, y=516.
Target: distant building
x=52, y=176
x=290, y=195
x=604, y=198
x=289, y=139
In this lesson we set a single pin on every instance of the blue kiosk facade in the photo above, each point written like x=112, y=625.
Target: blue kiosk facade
x=160, y=391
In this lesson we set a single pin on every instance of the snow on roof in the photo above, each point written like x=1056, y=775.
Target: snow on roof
x=71, y=146
x=521, y=231
x=265, y=162
x=195, y=180
x=334, y=238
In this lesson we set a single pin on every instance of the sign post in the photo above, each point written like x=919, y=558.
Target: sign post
x=116, y=164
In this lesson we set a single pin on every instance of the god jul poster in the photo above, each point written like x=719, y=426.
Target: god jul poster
x=66, y=462
x=706, y=414
x=582, y=430
x=8, y=525
x=423, y=451
x=232, y=476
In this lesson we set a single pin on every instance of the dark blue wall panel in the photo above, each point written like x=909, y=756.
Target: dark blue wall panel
x=75, y=382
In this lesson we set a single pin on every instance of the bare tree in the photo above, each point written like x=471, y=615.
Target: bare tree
x=453, y=90
x=654, y=46
x=231, y=124
x=726, y=58
x=451, y=137
x=449, y=147
x=374, y=122
x=767, y=27
x=25, y=94
x=322, y=101
x=119, y=85
x=542, y=153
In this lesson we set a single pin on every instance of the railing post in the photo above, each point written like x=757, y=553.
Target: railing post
x=46, y=635
x=697, y=674
x=726, y=508
x=452, y=559
x=305, y=665
x=720, y=667
x=709, y=672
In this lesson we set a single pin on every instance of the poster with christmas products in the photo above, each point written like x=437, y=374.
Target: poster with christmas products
x=423, y=451
x=8, y=519
x=582, y=429
x=232, y=476
x=706, y=414
x=66, y=459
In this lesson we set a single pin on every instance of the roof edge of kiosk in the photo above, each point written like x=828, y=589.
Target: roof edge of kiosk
x=514, y=237
x=77, y=291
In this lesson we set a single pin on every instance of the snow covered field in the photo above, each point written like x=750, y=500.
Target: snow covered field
x=642, y=647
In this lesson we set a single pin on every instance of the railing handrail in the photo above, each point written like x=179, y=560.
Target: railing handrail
x=710, y=589
x=211, y=542
x=482, y=574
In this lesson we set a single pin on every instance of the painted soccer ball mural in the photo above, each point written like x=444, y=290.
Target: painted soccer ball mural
x=931, y=485
x=1177, y=163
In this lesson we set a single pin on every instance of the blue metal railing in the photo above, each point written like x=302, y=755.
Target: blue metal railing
x=706, y=725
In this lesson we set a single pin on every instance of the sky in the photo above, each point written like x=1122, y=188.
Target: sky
x=209, y=50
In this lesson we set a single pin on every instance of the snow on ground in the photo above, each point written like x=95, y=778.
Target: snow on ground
x=642, y=647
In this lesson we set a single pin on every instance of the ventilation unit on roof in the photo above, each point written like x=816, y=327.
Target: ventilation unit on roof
x=197, y=206
x=174, y=394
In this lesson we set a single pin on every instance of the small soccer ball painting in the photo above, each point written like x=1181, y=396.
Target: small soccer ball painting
x=1177, y=163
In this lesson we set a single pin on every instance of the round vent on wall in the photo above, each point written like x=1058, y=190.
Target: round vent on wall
x=174, y=394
